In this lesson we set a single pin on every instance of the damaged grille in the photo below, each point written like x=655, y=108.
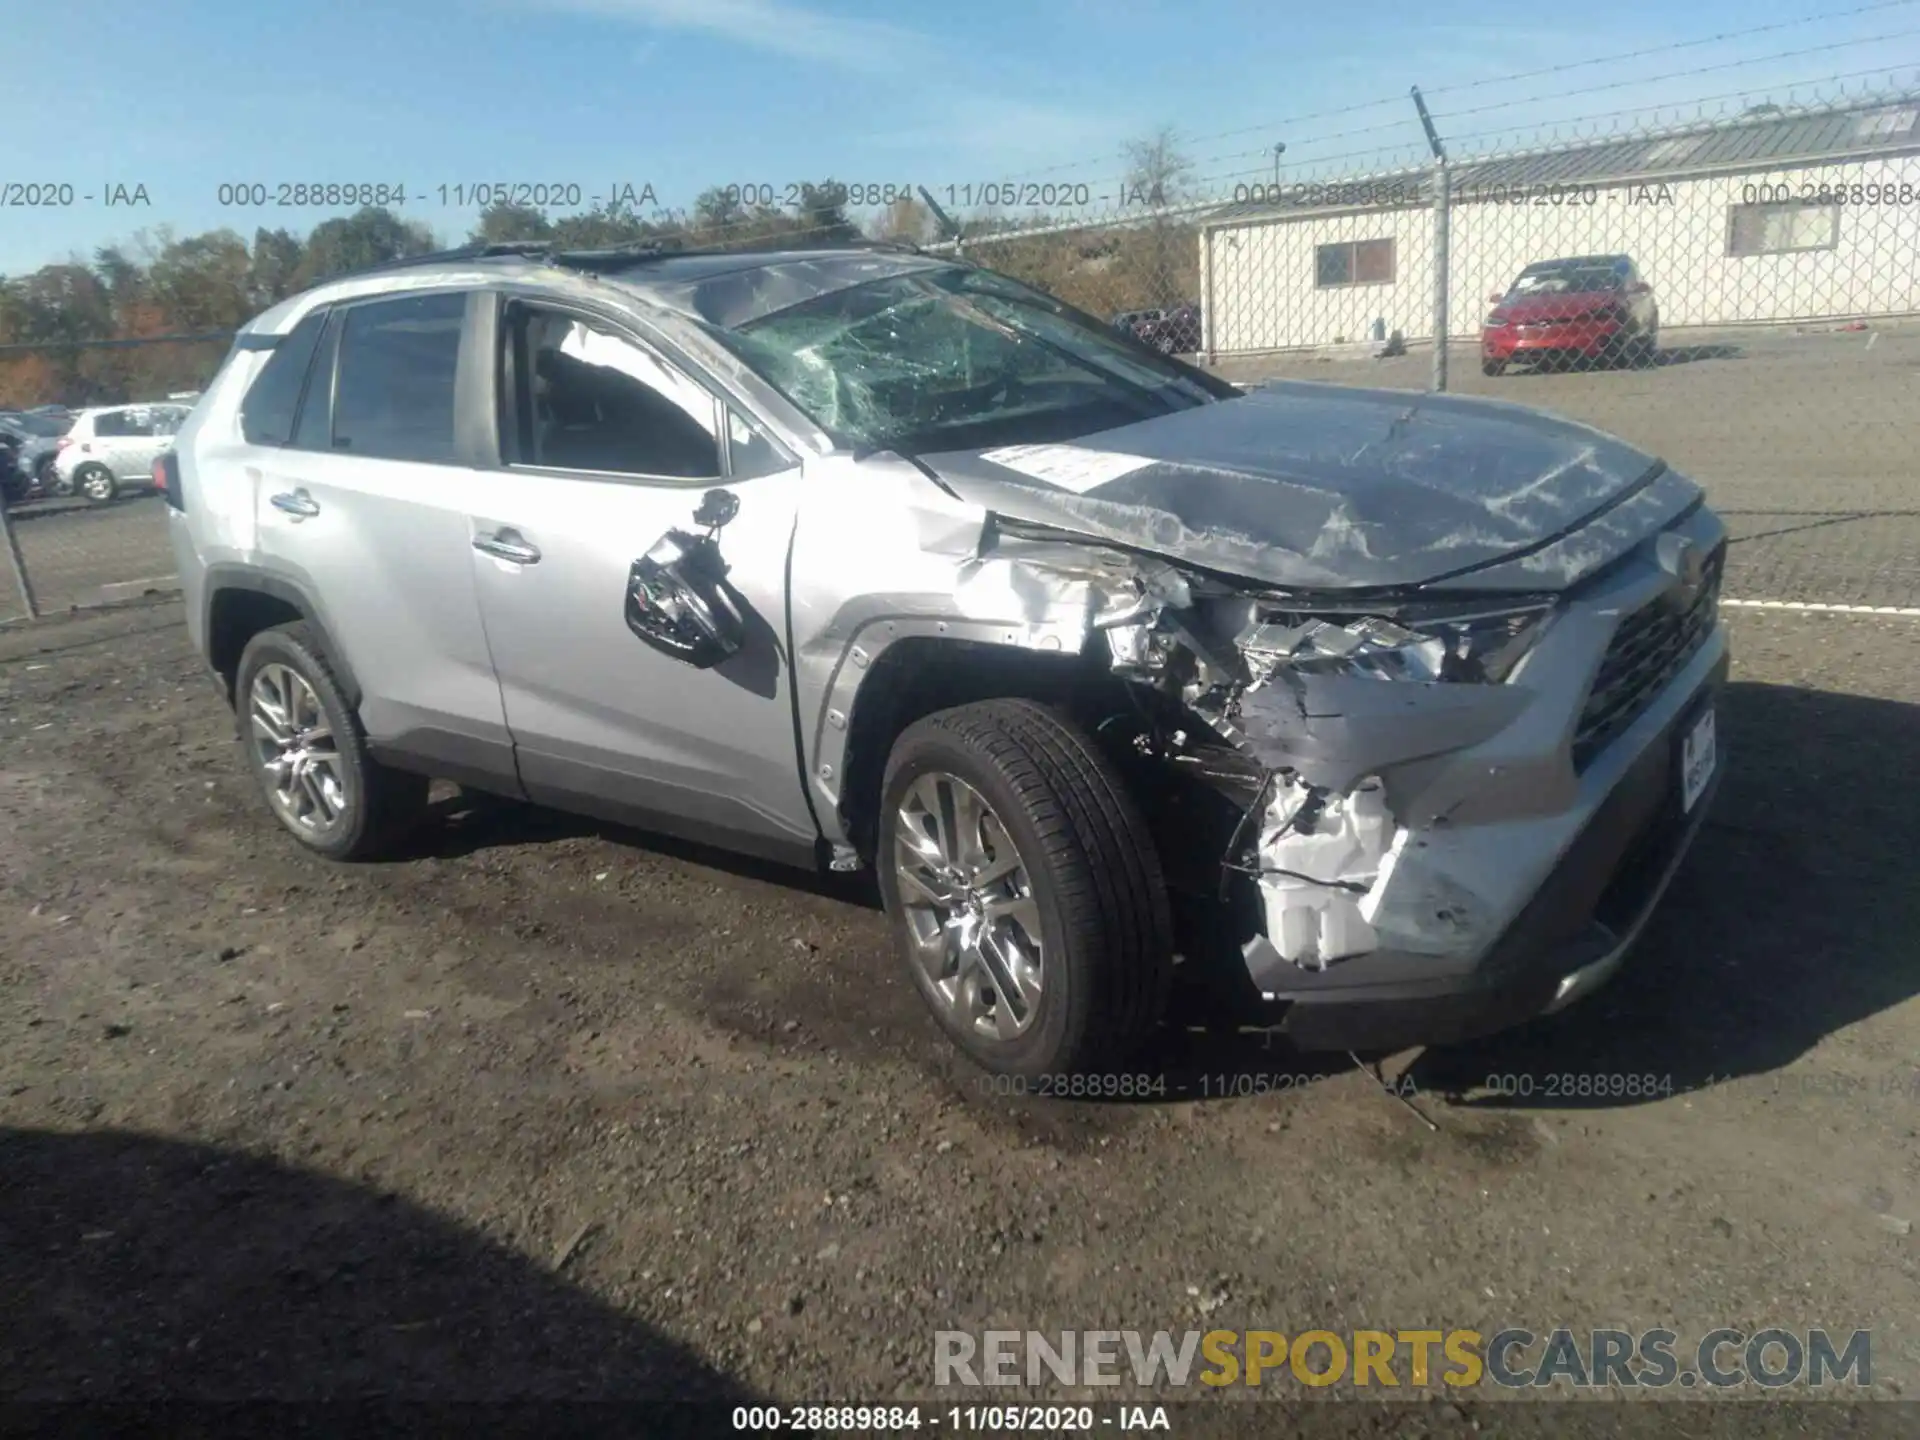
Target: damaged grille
x=1648, y=649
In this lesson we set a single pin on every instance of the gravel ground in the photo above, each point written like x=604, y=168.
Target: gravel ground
x=550, y=1108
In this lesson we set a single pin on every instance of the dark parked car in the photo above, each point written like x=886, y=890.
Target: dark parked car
x=14, y=483
x=1175, y=331
x=37, y=442
x=1560, y=312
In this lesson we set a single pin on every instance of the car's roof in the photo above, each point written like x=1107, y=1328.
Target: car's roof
x=723, y=288
x=1577, y=260
x=92, y=410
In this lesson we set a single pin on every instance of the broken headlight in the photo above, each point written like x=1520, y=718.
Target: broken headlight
x=1473, y=643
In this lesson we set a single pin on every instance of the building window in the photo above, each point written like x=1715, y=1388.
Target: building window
x=1353, y=262
x=1781, y=228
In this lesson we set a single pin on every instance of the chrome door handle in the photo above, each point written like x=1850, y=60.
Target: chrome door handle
x=296, y=502
x=507, y=545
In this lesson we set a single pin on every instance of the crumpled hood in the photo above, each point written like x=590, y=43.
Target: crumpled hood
x=1317, y=486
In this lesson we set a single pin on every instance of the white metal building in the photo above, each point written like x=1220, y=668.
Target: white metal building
x=1784, y=217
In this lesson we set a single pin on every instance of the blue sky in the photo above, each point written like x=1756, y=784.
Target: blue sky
x=682, y=94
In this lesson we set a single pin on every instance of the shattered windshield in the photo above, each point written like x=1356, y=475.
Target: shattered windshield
x=953, y=359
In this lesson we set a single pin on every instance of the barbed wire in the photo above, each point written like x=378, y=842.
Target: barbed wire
x=1360, y=107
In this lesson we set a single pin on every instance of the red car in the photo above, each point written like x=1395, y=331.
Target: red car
x=1559, y=312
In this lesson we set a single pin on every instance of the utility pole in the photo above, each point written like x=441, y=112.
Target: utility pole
x=1442, y=217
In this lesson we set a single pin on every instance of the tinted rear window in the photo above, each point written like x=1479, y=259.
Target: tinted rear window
x=394, y=381
x=266, y=416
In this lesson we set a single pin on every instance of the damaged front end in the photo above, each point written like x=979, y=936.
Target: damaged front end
x=1313, y=713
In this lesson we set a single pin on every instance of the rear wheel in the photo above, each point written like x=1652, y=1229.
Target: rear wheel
x=1493, y=367
x=1024, y=890
x=309, y=754
x=96, y=482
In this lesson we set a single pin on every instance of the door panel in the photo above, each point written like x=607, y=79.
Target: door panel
x=603, y=722
x=386, y=544
x=366, y=510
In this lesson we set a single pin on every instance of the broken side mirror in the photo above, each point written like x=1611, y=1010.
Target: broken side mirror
x=679, y=602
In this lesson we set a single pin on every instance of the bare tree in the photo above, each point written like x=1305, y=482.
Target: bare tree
x=1158, y=170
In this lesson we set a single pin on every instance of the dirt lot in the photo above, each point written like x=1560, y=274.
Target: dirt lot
x=554, y=1109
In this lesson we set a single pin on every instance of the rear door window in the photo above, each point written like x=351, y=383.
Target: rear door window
x=266, y=415
x=394, y=380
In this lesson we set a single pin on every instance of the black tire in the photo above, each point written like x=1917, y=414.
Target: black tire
x=1493, y=367
x=97, y=483
x=50, y=482
x=1105, y=920
x=381, y=804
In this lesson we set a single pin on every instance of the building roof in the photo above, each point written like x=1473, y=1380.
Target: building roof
x=1886, y=126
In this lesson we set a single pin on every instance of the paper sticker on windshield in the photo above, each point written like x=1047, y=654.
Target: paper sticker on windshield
x=1069, y=466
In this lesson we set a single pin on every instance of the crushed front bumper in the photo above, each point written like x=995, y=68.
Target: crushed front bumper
x=1555, y=867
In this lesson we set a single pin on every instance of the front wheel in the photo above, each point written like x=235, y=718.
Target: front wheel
x=52, y=482
x=96, y=482
x=1493, y=367
x=1024, y=890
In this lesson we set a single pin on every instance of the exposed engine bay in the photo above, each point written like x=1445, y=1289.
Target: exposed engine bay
x=1295, y=706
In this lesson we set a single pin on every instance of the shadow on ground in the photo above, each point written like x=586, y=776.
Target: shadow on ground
x=136, y=1268
x=1793, y=918
x=1790, y=920
x=1661, y=359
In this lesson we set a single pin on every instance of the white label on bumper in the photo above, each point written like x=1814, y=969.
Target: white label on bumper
x=1696, y=761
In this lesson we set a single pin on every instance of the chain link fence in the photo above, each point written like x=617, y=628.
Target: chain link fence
x=1732, y=286
x=1735, y=288
x=72, y=540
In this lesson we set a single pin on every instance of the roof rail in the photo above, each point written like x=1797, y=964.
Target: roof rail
x=614, y=257
x=494, y=250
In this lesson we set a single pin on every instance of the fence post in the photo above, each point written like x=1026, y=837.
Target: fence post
x=1442, y=218
x=1442, y=267
x=19, y=565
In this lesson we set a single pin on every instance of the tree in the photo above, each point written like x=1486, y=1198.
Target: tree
x=718, y=215
x=1160, y=264
x=821, y=216
x=204, y=282
x=502, y=222
x=906, y=220
x=1158, y=170
x=277, y=259
x=608, y=224
x=371, y=236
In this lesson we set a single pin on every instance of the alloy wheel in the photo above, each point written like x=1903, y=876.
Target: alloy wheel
x=293, y=743
x=969, y=907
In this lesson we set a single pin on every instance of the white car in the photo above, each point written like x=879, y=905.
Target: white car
x=112, y=448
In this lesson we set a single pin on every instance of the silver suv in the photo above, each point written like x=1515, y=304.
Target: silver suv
x=1390, y=713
